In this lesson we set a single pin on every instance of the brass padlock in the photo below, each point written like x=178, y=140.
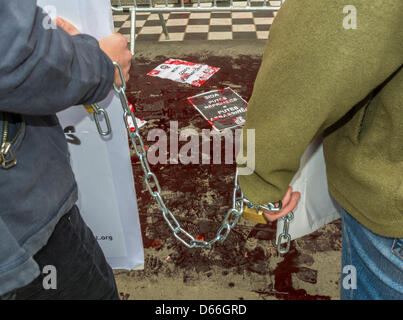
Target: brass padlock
x=254, y=215
x=89, y=109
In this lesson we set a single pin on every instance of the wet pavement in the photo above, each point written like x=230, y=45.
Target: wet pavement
x=246, y=265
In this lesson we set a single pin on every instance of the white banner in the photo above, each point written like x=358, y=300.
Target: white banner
x=102, y=166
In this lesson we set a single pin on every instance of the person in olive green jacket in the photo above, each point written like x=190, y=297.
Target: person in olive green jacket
x=325, y=73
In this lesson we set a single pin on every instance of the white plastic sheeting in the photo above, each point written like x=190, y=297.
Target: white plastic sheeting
x=102, y=166
x=316, y=207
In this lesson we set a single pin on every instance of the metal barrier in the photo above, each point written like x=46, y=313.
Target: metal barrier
x=151, y=6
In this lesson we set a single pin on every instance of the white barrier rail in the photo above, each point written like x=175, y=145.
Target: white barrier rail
x=165, y=6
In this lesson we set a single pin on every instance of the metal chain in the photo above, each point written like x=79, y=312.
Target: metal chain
x=287, y=219
x=285, y=234
x=101, y=112
x=238, y=200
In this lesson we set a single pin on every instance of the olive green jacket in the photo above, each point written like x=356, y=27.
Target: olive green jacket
x=320, y=76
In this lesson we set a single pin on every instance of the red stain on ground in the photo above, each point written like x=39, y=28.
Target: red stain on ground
x=165, y=101
x=156, y=244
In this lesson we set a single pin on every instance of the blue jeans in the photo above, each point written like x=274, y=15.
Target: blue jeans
x=372, y=265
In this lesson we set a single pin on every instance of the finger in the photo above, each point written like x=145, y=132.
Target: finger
x=118, y=81
x=127, y=75
x=67, y=26
x=295, y=196
x=287, y=197
x=126, y=72
x=127, y=67
x=293, y=202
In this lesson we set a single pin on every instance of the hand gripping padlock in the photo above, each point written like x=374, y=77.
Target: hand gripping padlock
x=255, y=213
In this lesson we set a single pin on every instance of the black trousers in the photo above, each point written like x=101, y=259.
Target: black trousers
x=81, y=268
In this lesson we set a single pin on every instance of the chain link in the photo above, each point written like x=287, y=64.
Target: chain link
x=98, y=112
x=285, y=234
x=238, y=199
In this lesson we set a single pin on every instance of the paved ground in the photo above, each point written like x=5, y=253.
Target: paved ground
x=198, y=25
x=247, y=265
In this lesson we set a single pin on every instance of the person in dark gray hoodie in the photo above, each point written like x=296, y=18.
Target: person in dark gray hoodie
x=43, y=71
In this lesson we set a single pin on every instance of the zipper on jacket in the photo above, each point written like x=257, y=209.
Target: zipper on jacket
x=7, y=158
